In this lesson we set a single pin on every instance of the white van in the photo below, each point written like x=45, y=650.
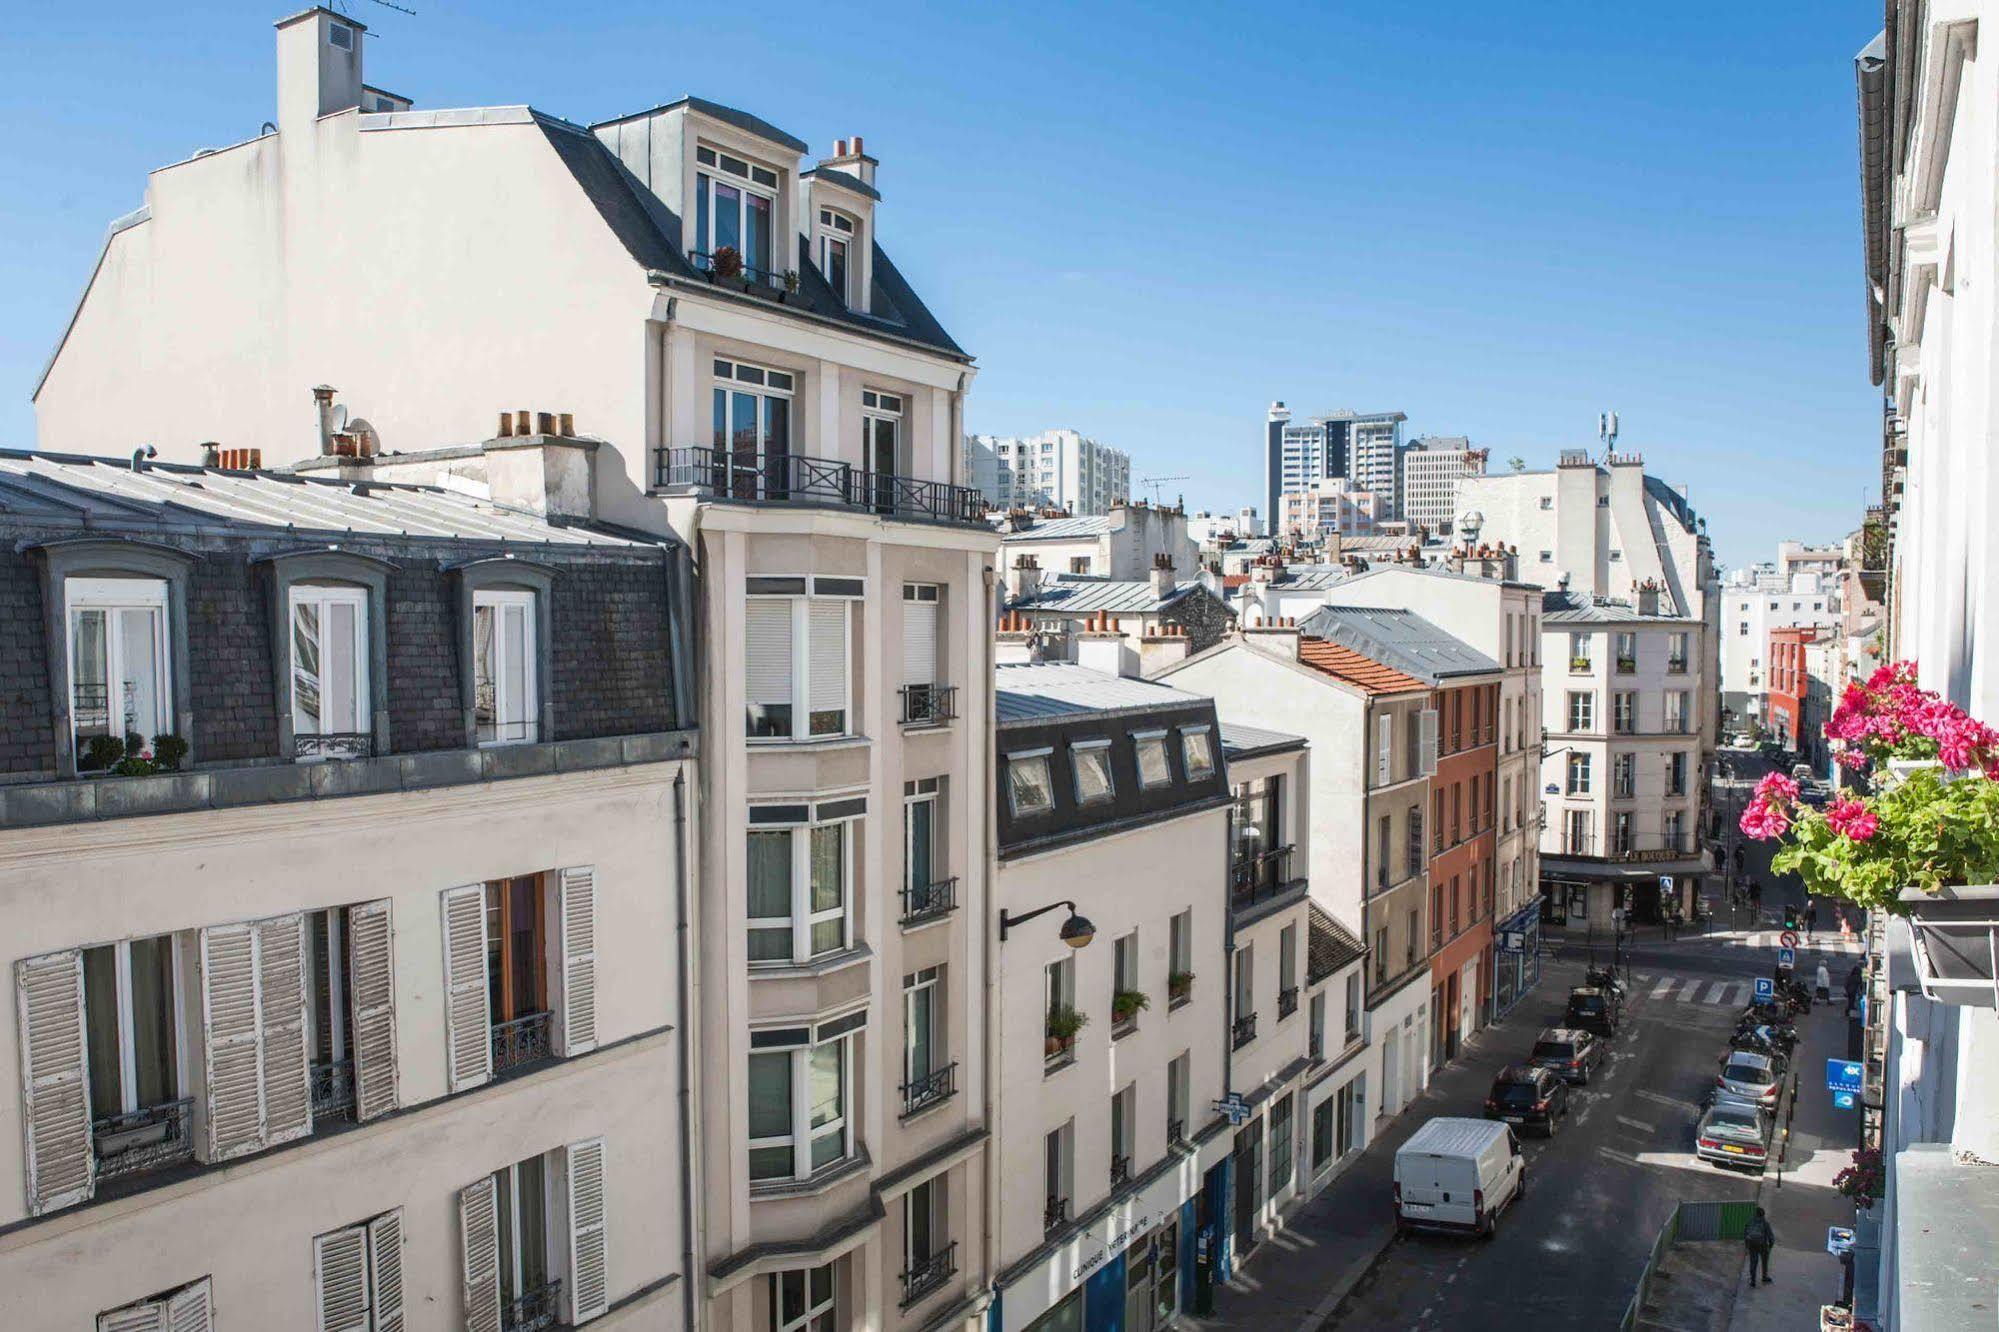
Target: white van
x=1457, y=1174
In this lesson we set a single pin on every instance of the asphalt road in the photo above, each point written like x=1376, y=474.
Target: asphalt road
x=1568, y=1253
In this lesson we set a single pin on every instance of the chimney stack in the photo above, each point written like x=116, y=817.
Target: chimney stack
x=322, y=407
x=1278, y=637
x=1168, y=645
x=1162, y=576
x=1023, y=578
x=1014, y=644
x=851, y=156
x=319, y=72
x=1100, y=647
x=1648, y=598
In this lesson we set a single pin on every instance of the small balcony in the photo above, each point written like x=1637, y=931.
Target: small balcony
x=332, y=1090
x=1259, y=876
x=1054, y=1215
x=748, y=476
x=150, y=1139
x=534, y=1310
x=1581, y=665
x=522, y=1042
x=928, y=704
x=1120, y=1172
x=1676, y=665
x=1287, y=1003
x=929, y=901
x=1627, y=665
x=919, y=1094
x=1176, y=1130
x=332, y=745
x=928, y=1274
x=1244, y=1031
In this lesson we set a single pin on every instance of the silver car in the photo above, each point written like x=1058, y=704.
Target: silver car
x=1734, y=1132
x=1749, y=1077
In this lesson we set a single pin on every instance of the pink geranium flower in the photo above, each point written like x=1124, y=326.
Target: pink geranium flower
x=1852, y=819
x=1776, y=785
x=1764, y=821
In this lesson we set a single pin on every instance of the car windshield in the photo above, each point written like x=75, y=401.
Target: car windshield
x=1586, y=1003
x=1554, y=1050
x=1515, y=1093
x=1750, y=1073
x=1735, y=1117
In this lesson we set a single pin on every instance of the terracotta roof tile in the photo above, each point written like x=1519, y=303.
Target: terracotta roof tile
x=1344, y=663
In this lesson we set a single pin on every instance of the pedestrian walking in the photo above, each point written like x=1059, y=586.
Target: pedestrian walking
x=1811, y=919
x=1852, y=986
x=1759, y=1239
x=1822, y=985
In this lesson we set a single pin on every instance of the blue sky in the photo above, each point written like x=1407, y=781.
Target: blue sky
x=1147, y=221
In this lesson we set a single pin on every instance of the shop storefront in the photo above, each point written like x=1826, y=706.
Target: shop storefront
x=1516, y=957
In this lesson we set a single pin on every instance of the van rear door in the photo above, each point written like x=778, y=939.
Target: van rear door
x=1437, y=1187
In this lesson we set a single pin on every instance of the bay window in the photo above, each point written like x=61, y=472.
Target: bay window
x=118, y=655
x=329, y=629
x=797, y=673
x=800, y=880
x=800, y=1101
x=505, y=690
x=803, y=1300
x=735, y=207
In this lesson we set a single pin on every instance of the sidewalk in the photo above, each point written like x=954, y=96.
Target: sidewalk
x=1297, y=1276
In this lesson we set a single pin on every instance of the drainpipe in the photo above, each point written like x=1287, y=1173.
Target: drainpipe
x=989, y=943
x=682, y=1013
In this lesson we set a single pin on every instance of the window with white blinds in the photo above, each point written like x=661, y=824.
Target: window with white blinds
x=1427, y=721
x=534, y=1236
x=187, y=1309
x=797, y=669
x=358, y=1276
x=1384, y=726
x=48, y=992
x=919, y=633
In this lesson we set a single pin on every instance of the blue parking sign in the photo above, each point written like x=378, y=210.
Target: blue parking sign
x=1766, y=989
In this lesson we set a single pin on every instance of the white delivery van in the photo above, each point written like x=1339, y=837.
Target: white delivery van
x=1457, y=1174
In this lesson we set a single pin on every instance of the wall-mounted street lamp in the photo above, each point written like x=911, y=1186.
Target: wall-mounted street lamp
x=1076, y=931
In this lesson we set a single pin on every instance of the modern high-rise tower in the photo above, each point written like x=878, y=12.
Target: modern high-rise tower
x=1360, y=446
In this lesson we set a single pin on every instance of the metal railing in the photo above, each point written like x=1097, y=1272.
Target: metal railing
x=1244, y=1030
x=930, y=1089
x=704, y=263
x=533, y=1310
x=928, y=704
x=333, y=745
x=1260, y=875
x=1676, y=665
x=792, y=478
x=149, y=1139
x=924, y=901
x=1287, y=1002
x=525, y=1040
x=333, y=1089
x=1054, y=1215
x=1120, y=1171
x=926, y=1276
x=1176, y=1130
x=1627, y=665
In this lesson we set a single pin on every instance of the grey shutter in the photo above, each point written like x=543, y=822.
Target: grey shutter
x=146, y=1316
x=579, y=959
x=767, y=651
x=55, y=1091
x=371, y=962
x=468, y=1043
x=385, y=1270
x=589, y=1287
x=340, y=1277
x=282, y=994
x=479, y=1236
x=191, y=1310
x=1384, y=735
x=231, y=1036
x=1429, y=724
x=827, y=621
x=919, y=642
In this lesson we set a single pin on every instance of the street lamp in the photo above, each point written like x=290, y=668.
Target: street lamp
x=1076, y=931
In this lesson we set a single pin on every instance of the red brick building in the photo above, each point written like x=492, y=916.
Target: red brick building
x=1463, y=865
x=1785, y=684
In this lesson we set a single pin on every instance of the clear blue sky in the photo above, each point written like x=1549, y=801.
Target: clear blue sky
x=1147, y=221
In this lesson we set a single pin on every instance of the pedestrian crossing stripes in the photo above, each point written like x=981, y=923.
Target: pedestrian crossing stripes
x=1702, y=990
x=1850, y=946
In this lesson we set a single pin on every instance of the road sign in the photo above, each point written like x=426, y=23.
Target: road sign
x=1842, y=1075
x=1233, y=1108
x=1838, y=1240
x=1787, y=957
x=1766, y=989
x=1552, y=788
x=1842, y=1100
x=1789, y=938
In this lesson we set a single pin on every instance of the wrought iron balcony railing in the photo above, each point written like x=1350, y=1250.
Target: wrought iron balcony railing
x=1260, y=875
x=1054, y=1215
x=523, y=1041
x=929, y=704
x=929, y=900
x=333, y=1090
x=1120, y=1171
x=931, y=1089
x=754, y=477
x=1244, y=1030
x=333, y=745
x=1176, y=1130
x=533, y=1310
x=149, y=1139
x=1287, y=1002
x=926, y=1275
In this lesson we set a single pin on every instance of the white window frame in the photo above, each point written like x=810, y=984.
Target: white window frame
x=1580, y=764
x=925, y=792
x=499, y=600
x=323, y=596
x=1197, y=741
x=709, y=165
x=803, y=918
x=128, y=1056
x=802, y=1135
x=801, y=667
x=1151, y=745
x=510, y=1198
x=926, y=986
x=111, y=595
x=1384, y=750
x=881, y=405
x=1676, y=711
x=1582, y=710
x=813, y=1312
x=1093, y=751
x=1040, y=756
x=836, y=227
x=760, y=382
x=1624, y=711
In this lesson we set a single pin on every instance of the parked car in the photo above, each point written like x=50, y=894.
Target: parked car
x=1568, y=1053
x=1592, y=1010
x=1458, y=1175
x=1529, y=1096
x=1802, y=773
x=1735, y=1133
x=1749, y=1077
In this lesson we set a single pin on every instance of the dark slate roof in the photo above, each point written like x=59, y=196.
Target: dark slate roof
x=846, y=180
x=1561, y=607
x=1077, y=594
x=1034, y=691
x=1239, y=741
x=1328, y=946
x=650, y=233
x=728, y=115
x=1401, y=639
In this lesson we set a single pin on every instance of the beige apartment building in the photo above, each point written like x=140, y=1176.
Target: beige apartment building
x=343, y=908
x=687, y=327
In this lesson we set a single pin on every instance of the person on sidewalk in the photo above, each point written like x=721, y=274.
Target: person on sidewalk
x=1822, y=985
x=1853, y=983
x=1759, y=1239
x=1811, y=918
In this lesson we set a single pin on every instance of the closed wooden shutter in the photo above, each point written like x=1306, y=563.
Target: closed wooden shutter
x=579, y=959
x=767, y=651
x=282, y=994
x=191, y=1310
x=827, y=642
x=589, y=1287
x=340, y=1274
x=385, y=1270
x=371, y=962
x=1429, y=724
x=232, y=1034
x=147, y=1316
x=479, y=1234
x=55, y=1089
x=468, y=1020
x=919, y=642
x=1384, y=735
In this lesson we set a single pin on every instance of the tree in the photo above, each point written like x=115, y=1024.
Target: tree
x=1517, y=463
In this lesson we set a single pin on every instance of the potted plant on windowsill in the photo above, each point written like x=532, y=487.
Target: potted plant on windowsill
x=1064, y=1023
x=1179, y=985
x=131, y=756
x=726, y=264
x=1126, y=1005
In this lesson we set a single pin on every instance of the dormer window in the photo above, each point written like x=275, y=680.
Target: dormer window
x=735, y=207
x=118, y=663
x=836, y=240
x=330, y=692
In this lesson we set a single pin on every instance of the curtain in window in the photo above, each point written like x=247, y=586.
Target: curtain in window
x=485, y=676
x=829, y=888
x=770, y=895
x=90, y=670
x=828, y=1102
x=770, y=1114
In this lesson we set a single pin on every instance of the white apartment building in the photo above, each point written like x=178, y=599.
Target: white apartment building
x=1753, y=602
x=1622, y=689
x=1929, y=122
x=1208, y=529
x=1124, y=545
x=1333, y=504
x=366, y=1008
x=1056, y=469
x=769, y=392
x=1362, y=446
x=1433, y=470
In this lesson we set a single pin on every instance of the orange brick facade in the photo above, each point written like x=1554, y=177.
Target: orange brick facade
x=1784, y=688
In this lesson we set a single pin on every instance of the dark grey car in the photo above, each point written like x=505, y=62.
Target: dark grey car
x=1567, y=1052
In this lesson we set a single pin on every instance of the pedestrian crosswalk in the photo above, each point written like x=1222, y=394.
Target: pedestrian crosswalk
x=1847, y=946
x=1705, y=990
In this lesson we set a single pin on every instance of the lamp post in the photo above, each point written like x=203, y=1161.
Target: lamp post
x=1076, y=931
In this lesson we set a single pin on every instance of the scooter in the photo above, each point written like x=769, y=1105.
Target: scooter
x=1605, y=978
x=1765, y=1035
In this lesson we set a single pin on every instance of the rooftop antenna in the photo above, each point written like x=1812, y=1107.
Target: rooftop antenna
x=1606, y=431
x=1156, y=482
x=347, y=7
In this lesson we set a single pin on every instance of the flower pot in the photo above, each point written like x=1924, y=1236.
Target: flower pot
x=1955, y=932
